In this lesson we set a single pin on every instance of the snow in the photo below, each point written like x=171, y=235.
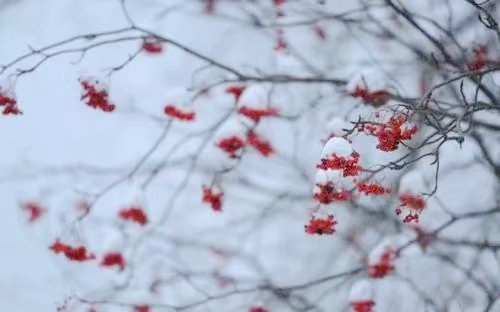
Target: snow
x=382, y=247
x=335, y=127
x=339, y=146
x=361, y=290
x=254, y=96
x=413, y=182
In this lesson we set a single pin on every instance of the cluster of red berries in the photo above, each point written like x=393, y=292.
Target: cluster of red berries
x=236, y=91
x=256, y=114
x=176, y=113
x=375, y=98
x=411, y=218
x=96, y=96
x=152, y=45
x=363, y=305
x=9, y=104
x=384, y=266
x=391, y=133
x=213, y=198
x=72, y=253
x=233, y=144
x=328, y=194
x=261, y=145
x=281, y=43
x=414, y=204
x=349, y=165
x=34, y=210
x=258, y=309
x=479, y=61
x=142, y=308
x=134, y=214
x=278, y=7
x=113, y=259
x=372, y=189
x=321, y=226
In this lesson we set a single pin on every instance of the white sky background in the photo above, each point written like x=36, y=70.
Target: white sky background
x=60, y=149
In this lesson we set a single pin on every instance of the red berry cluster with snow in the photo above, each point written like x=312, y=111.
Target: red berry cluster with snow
x=96, y=95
